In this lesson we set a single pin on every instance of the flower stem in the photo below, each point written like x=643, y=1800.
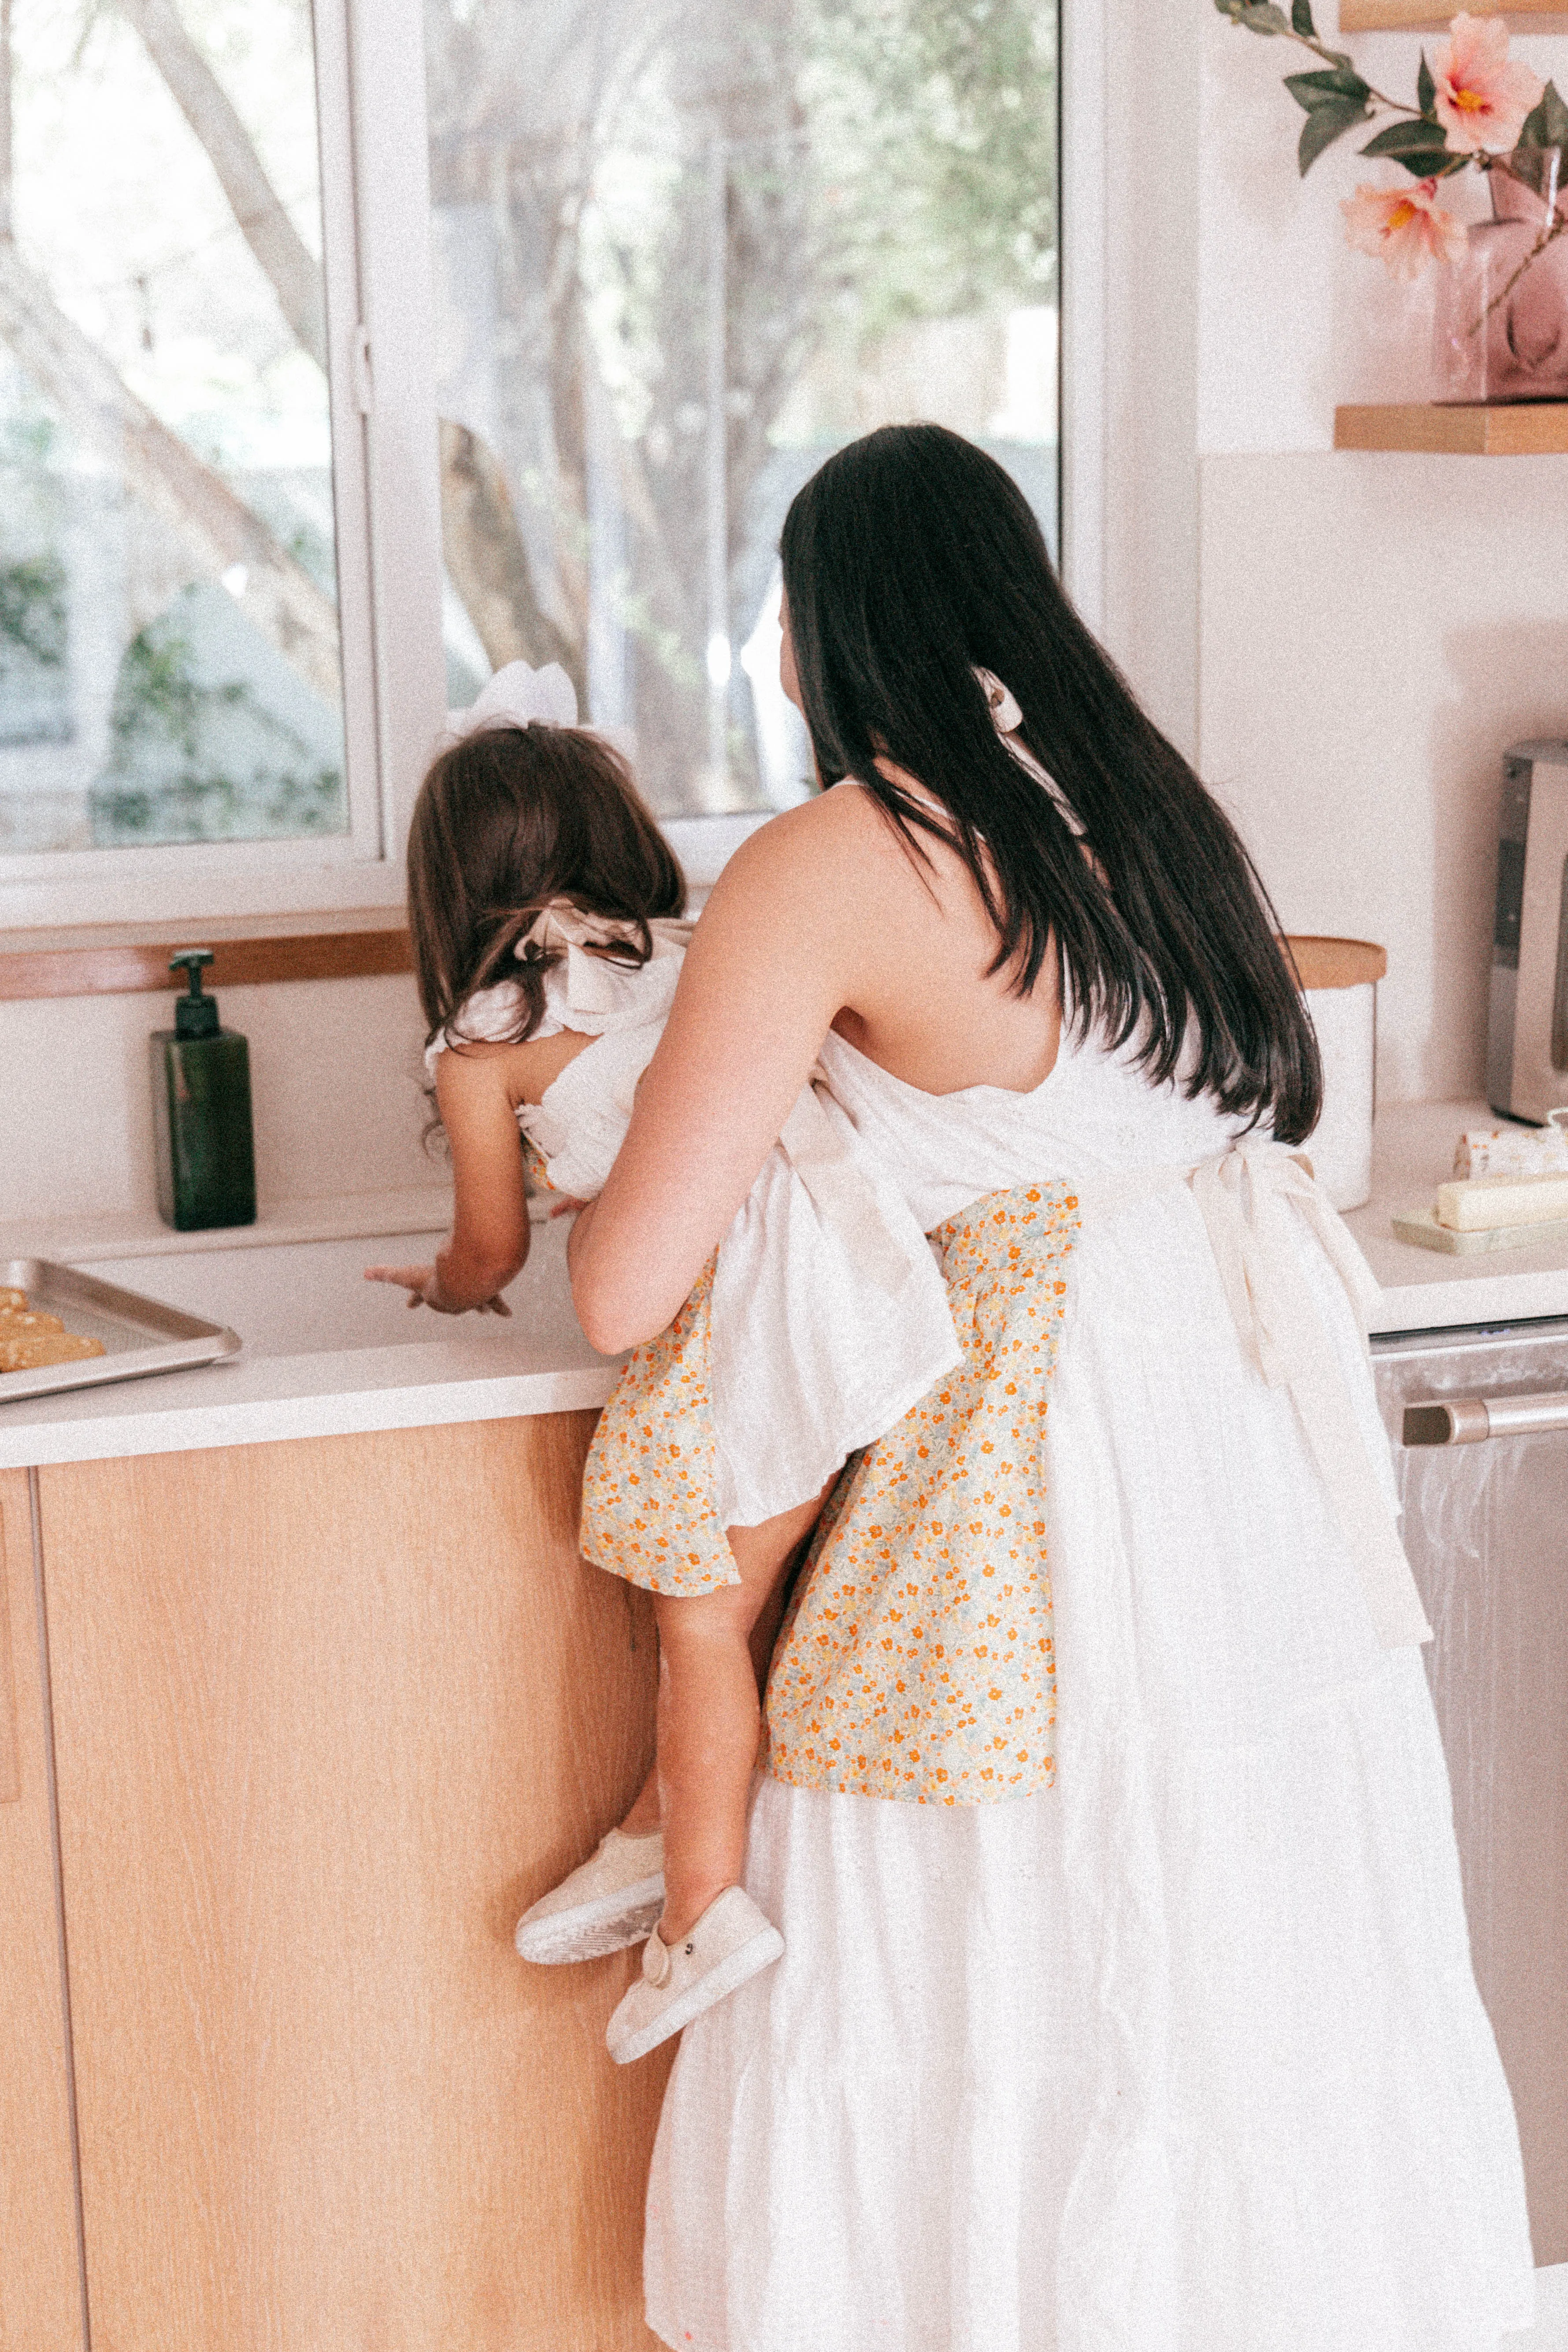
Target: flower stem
x=1548, y=237
x=1337, y=58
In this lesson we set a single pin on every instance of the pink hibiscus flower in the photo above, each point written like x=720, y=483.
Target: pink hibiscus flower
x=1407, y=226
x=1481, y=98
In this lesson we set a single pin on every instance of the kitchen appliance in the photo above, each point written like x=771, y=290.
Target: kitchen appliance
x=1479, y=1423
x=1527, y=1027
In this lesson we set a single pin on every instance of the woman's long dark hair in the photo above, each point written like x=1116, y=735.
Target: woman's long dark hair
x=507, y=819
x=910, y=559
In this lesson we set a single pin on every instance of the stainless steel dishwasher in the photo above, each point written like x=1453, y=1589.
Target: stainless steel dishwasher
x=1479, y=1423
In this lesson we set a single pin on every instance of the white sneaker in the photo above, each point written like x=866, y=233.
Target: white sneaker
x=608, y=1903
x=732, y=1941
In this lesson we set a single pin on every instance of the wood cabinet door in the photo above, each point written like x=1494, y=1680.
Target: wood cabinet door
x=329, y=1714
x=40, y=2268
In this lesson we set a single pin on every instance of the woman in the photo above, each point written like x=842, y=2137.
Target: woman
x=1127, y=2003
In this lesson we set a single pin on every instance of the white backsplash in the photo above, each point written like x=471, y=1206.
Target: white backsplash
x=335, y=1084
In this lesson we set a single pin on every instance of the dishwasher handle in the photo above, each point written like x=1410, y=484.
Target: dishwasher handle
x=1464, y=1421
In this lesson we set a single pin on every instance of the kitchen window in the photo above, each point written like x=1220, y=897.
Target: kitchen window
x=682, y=252
x=272, y=497
x=173, y=641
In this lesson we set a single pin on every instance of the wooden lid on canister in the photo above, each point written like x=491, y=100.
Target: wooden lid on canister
x=1335, y=963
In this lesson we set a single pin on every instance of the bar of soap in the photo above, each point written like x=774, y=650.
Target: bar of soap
x=26, y=1351
x=1484, y=1204
x=1514, y=1151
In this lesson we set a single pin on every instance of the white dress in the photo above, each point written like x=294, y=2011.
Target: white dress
x=1185, y=2055
x=828, y=1316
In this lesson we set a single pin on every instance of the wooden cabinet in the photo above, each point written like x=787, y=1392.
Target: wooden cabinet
x=326, y=1716
x=41, y=2265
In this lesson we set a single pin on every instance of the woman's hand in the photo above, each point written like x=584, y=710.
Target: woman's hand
x=423, y=1284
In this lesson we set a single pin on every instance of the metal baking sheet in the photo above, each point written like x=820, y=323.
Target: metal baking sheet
x=140, y=1335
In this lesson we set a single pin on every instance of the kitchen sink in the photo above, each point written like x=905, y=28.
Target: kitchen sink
x=300, y=1299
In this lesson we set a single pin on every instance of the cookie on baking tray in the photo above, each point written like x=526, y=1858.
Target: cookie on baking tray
x=30, y=1337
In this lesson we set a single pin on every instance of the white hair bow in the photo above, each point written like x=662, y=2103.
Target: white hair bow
x=1006, y=718
x=517, y=695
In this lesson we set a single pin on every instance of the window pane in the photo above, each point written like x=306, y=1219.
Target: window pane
x=169, y=653
x=683, y=250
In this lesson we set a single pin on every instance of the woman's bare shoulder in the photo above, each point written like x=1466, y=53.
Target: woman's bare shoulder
x=827, y=851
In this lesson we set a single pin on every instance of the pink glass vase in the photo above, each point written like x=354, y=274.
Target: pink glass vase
x=1502, y=330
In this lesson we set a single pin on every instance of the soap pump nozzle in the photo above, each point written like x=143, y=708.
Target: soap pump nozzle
x=195, y=1015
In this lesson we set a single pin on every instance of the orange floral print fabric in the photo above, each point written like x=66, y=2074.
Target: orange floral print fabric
x=649, y=1487
x=919, y=1660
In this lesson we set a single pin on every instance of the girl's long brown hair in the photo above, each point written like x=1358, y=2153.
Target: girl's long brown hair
x=507, y=820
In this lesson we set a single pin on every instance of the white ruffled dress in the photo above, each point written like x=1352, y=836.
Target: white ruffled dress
x=827, y=1317
x=1184, y=2055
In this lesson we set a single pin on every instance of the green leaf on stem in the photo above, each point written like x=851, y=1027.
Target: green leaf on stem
x=1547, y=126
x=1419, y=146
x=1327, y=88
x=1426, y=90
x=1302, y=19
x=1260, y=17
x=1327, y=121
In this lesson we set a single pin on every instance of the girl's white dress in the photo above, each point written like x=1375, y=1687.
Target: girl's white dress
x=828, y=1316
x=1185, y=2055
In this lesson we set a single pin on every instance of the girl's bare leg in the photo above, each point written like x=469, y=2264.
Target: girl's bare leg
x=709, y=1717
x=645, y=1815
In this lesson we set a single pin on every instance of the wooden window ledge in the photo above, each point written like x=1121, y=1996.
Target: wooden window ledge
x=134, y=961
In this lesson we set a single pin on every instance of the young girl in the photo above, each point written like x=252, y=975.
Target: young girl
x=546, y=912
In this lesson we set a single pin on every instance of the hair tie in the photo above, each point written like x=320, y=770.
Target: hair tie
x=1008, y=719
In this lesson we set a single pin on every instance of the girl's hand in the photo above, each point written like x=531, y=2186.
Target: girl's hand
x=567, y=1207
x=424, y=1287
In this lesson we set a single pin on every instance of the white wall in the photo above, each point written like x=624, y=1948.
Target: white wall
x=335, y=1086
x=1374, y=630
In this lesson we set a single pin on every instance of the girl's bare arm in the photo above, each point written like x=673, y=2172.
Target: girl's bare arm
x=489, y=1226
x=478, y=1090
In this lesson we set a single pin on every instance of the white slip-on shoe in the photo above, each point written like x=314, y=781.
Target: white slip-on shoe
x=732, y=1941
x=608, y=1903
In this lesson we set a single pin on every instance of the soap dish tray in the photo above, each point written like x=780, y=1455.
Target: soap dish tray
x=140, y=1335
x=1421, y=1226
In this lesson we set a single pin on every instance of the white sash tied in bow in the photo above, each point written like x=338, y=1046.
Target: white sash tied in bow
x=595, y=983
x=1248, y=1198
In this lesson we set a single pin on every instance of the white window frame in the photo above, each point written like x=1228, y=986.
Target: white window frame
x=1081, y=244
x=375, y=194
x=370, y=82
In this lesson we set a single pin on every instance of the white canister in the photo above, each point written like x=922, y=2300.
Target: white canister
x=1340, y=979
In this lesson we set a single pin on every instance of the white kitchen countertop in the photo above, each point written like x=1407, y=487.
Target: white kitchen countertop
x=327, y=1354
x=1425, y=1290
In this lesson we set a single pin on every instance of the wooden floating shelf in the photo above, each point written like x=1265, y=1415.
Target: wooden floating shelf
x=1413, y=16
x=1533, y=429
x=144, y=969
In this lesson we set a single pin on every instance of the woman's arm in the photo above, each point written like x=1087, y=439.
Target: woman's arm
x=489, y=1226
x=779, y=948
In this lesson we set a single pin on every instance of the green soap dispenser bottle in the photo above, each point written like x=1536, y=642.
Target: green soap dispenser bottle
x=201, y=1112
